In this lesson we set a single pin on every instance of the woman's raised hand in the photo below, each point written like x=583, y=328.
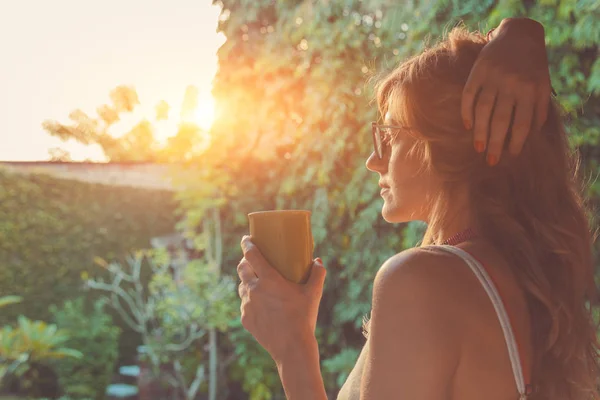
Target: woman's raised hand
x=510, y=75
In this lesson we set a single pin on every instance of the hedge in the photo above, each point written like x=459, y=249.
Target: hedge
x=51, y=230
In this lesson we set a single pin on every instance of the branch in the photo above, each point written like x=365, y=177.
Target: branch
x=179, y=377
x=219, y=241
x=198, y=380
x=194, y=334
x=119, y=273
x=116, y=292
x=128, y=320
x=206, y=231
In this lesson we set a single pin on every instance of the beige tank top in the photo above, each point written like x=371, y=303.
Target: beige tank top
x=351, y=388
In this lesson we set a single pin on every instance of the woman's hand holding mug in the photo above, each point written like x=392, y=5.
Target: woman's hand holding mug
x=280, y=314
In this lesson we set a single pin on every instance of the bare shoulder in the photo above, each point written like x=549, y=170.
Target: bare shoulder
x=422, y=268
x=430, y=285
x=415, y=332
x=435, y=284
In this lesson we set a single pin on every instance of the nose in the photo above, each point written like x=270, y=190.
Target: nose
x=375, y=164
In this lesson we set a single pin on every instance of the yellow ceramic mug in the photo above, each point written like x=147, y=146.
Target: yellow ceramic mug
x=284, y=237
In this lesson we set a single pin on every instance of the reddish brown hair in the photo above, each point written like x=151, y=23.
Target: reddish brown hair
x=531, y=207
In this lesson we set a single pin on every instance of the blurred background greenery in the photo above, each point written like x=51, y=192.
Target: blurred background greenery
x=291, y=131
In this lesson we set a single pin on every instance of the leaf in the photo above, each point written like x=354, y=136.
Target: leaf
x=594, y=79
x=6, y=300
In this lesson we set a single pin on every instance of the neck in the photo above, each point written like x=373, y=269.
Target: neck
x=460, y=219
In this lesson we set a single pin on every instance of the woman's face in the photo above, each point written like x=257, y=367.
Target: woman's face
x=406, y=184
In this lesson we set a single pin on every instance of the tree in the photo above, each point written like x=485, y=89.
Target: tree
x=59, y=155
x=173, y=314
x=162, y=110
x=140, y=143
x=293, y=80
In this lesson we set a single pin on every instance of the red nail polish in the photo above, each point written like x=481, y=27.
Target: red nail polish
x=479, y=146
x=492, y=159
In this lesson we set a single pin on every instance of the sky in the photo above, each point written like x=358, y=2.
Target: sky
x=60, y=55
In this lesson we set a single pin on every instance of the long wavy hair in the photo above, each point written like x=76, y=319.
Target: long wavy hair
x=531, y=206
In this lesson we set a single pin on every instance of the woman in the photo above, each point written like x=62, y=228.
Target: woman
x=493, y=304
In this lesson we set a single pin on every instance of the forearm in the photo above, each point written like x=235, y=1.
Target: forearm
x=300, y=372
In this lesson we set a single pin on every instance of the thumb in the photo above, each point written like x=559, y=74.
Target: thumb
x=317, y=275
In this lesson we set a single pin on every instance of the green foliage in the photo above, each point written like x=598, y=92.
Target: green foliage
x=92, y=332
x=201, y=296
x=29, y=344
x=51, y=230
x=6, y=300
x=253, y=367
x=39, y=340
x=180, y=307
x=293, y=81
x=341, y=364
x=140, y=142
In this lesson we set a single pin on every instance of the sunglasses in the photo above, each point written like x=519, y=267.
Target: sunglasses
x=381, y=137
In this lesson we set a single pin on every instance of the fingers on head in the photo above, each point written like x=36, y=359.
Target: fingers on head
x=500, y=121
x=542, y=102
x=472, y=87
x=522, y=125
x=483, y=112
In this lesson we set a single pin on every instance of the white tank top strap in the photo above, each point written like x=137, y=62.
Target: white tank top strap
x=492, y=292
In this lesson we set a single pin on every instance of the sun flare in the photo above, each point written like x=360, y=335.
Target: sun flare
x=204, y=115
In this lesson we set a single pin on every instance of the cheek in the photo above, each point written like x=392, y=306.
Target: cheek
x=405, y=168
x=411, y=186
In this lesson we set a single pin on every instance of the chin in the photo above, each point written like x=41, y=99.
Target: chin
x=397, y=214
x=394, y=215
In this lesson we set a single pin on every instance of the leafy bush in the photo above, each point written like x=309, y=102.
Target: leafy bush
x=25, y=352
x=303, y=68
x=173, y=315
x=93, y=333
x=51, y=230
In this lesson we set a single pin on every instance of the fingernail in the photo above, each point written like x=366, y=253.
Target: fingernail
x=492, y=159
x=467, y=123
x=318, y=259
x=479, y=146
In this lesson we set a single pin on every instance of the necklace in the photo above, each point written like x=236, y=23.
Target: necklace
x=460, y=237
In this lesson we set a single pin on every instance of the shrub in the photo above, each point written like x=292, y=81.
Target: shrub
x=25, y=353
x=51, y=230
x=93, y=333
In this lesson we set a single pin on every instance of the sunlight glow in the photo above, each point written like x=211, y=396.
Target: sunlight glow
x=158, y=63
x=203, y=116
x=205, y=113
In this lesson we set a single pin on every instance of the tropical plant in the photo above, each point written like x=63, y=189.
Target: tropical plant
x=172, y=315
x=140, y=143
x=24, y=348
x=92, y=332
